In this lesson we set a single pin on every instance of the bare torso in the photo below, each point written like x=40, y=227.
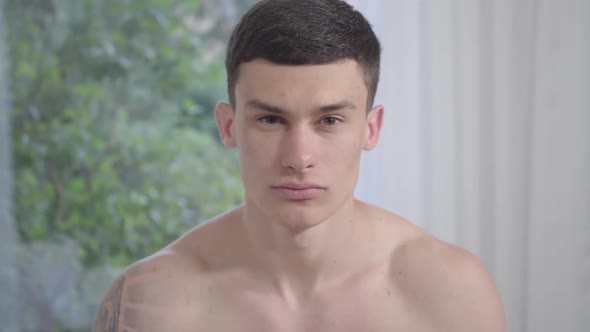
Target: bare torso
x=193, y=285
x=370, y=303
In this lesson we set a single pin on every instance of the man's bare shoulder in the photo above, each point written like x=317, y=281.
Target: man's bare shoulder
x=152, y=294
x=441, y=281
x=447, y=284
x=169, y=287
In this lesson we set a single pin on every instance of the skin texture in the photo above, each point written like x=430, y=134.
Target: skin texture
x=281, y=263
x=107, y=317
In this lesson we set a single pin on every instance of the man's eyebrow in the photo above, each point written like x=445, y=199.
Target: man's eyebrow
x=260, y=105
x=340, y=106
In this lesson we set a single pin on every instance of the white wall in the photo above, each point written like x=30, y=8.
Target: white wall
x=486, y=142
x=398, y=160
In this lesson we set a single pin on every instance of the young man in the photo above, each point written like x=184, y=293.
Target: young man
x=301, y=254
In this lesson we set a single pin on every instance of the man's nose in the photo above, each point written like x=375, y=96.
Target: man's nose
x=297, y=150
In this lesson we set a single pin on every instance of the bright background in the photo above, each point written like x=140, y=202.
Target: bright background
x=486, y=142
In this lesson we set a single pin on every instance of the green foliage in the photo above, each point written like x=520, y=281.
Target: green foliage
x=115, y=146
x=113, y=133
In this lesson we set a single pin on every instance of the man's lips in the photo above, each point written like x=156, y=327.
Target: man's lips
x=298, y=192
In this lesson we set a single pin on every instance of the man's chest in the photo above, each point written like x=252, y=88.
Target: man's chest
x=369, y=304
x=367, y=318
x=351, y=312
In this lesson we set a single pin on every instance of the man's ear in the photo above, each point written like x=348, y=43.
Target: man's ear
x=224, y=115
x=374, y=123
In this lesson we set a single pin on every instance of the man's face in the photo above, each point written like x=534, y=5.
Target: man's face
x=300, y=131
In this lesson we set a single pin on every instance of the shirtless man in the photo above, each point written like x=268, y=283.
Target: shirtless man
x=301, y=254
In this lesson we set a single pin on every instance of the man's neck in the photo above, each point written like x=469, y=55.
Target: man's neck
x=299, y=261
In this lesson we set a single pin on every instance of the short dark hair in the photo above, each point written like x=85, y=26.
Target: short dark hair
x=297, y=32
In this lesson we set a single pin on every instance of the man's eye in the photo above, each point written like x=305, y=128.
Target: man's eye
x=269, y=119
x=330, y=121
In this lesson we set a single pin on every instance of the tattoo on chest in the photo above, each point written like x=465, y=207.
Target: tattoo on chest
x=107, y=318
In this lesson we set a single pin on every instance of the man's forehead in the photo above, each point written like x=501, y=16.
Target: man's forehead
x=332, y=82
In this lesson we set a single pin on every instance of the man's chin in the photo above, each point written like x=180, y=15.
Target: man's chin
x=300, y=215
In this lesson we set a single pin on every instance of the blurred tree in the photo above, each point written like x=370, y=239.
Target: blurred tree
x=113, y=136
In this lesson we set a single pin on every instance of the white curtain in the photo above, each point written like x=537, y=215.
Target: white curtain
x=486, y=142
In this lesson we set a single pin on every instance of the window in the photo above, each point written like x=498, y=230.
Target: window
x=110, y=141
